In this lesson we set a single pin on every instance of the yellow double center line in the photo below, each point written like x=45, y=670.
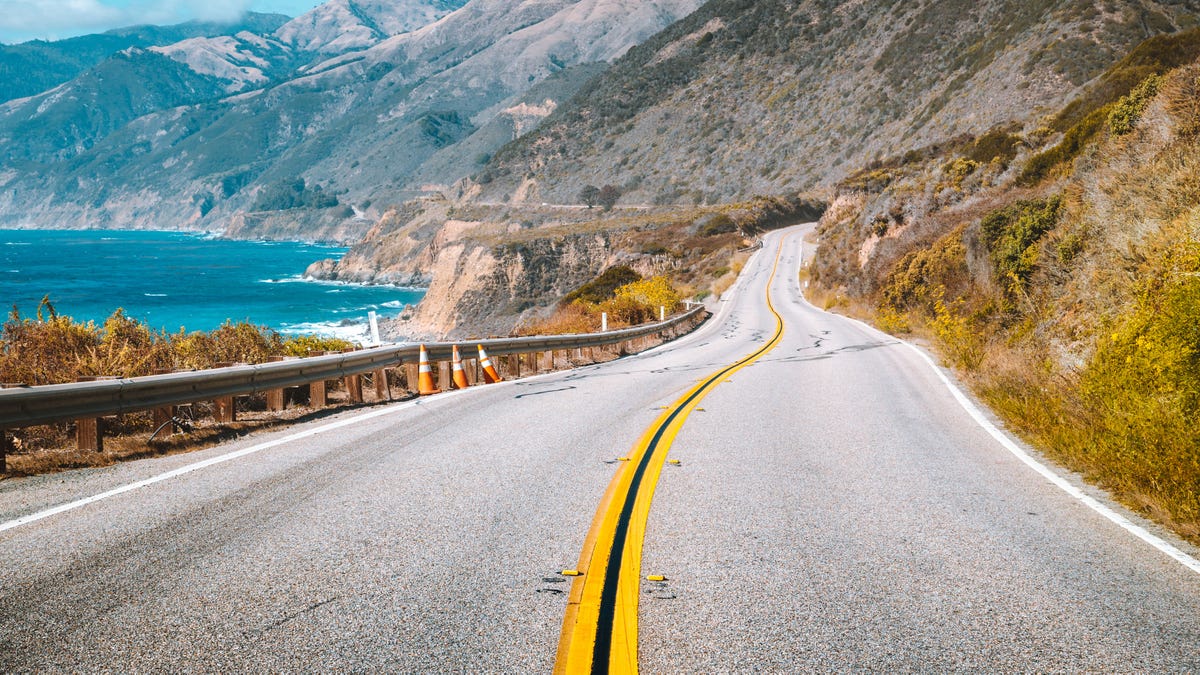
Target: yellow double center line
x=599, y=633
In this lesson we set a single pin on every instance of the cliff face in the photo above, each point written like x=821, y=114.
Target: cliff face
x=491, y=268
x=398, y=249
x=484, y=273
x=479, y=289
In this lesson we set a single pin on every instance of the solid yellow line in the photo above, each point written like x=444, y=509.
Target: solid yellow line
x=587, y=626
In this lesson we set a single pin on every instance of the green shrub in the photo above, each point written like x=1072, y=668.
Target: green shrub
x=1012, y=235
x=604, y=286
x=1126, y=112
x=308, y=345
x=958, y=170
x=956, y=336
x=995, y=144
x=293, y=194
x=1042, y=164
x=718, y=223
x=922, y=277
x=1143, y=387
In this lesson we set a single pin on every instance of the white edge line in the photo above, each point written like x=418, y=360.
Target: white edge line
x=1049, y=474
x=220, y=459
x=236, y=454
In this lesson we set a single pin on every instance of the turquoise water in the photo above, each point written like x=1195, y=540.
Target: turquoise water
x=172, y=281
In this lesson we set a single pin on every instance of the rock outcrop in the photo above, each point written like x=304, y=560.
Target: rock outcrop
x=484, y=274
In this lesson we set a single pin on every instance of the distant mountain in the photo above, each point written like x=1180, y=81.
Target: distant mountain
x=772, y=96
x=367, y=126
x=346, y=25
x=33, y=67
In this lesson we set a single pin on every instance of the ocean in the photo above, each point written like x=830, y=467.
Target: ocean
x=176, y=281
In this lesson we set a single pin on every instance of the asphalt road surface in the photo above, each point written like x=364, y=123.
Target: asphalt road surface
x=835, y=507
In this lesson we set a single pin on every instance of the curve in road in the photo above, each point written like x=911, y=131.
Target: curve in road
x=836, y=508
x=600, y=625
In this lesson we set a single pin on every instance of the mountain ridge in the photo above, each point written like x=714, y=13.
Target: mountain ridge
x=360, y=124
x=780, y=96
x=29, y=68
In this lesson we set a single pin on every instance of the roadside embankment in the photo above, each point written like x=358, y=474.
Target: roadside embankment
x=1058, y=272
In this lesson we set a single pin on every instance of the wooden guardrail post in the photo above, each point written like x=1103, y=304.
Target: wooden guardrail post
x=89, y=434
x=223, y=410
x=444, y=382
x=353, y=383
x=354, y=388
x=317, y=396
x=223, y=407
x=379, y=378
x=510, y=366
x=410, y=377
x=275, y=402
x=163, y=414
x=89, y=431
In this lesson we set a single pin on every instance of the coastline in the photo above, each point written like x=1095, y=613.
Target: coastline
x=91, y=272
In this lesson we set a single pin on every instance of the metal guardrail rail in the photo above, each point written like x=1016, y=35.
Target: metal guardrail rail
x=30, y=406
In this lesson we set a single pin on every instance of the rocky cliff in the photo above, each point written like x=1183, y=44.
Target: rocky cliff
x=489, y=269
x=484, y=274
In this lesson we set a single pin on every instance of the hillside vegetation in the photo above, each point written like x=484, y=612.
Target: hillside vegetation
x=52, y=348
x=1057, y=266
x=749, y=97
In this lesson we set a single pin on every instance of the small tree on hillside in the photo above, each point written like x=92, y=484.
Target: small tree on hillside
x=589, y=195
x=609, y=194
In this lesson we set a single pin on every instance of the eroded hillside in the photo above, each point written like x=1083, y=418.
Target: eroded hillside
x=770, y=96
x=490, y=269
x=1058, y=268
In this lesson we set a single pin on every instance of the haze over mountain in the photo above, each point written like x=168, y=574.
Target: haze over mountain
x=32, y=67
x=303, y=128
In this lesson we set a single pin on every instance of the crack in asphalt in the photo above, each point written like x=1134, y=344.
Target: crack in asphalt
x=547, y=391
x=258, y=632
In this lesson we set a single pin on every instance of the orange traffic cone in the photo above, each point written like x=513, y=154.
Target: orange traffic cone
x=425, y=385
x=489, y=371
x=460, y=376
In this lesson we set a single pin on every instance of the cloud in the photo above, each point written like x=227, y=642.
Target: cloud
x=50, y=19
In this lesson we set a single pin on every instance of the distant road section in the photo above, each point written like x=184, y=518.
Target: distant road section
x=833, y=507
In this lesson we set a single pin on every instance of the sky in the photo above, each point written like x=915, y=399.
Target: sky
x=22, y=20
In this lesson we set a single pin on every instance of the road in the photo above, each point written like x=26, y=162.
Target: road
x=834, y=507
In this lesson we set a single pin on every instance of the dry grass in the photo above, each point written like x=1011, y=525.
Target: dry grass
x=53, y=349
x=1077, y=324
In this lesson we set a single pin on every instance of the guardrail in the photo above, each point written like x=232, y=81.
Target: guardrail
x=31, y=406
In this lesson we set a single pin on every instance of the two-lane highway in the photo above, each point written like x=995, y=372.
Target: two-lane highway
x=834, y=507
